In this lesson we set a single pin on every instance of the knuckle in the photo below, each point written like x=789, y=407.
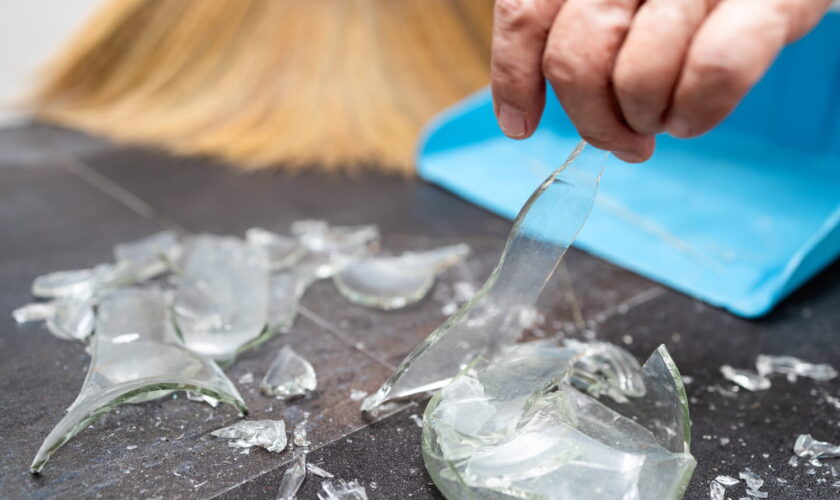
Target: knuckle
x=510, y=74
x=511, y=15
x=560, y=69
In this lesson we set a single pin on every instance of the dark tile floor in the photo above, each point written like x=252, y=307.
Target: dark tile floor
x=66, y=199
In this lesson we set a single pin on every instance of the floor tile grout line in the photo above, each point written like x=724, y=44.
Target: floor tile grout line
x=408, y=406
x=88, y=174
x=340, y=335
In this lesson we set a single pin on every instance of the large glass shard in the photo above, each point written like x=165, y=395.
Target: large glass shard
x=289, y=375
x=395, y=282
x=268, y=434
x=807, y=447
x=283, y=251
x=342, y=490
x=135, y=351
x=292, y=479
x=509, y=429
x=544, y=229
x=793, y=367
x=221, y=304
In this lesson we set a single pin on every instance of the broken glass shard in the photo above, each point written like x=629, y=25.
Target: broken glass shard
x=285, y=291
x=747, y=379
x=753, y=480
x=283, y=251
x=67, y=283
x=299, y=434
x=36, y=311
x=757, y=494
x=807, y=447
x=292, y=479
x=793, y=367
x=342, y=490
x=72, y=318
x=202, y=398
x=289, y=375
x=221, y=304
x=318, y=471
x=395, y=282
x=268, y=434
x=727, y=480
x=606, y=369
x=135, y=351
x=716, y=491
x=544, y=229
x=517, y=427
x=331, y=248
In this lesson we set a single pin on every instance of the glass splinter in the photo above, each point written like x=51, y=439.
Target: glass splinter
x=318, y=471
x=544, y=229
x=793, y=367
x=283, y=251
x=72, y=319
x=299, y=434
x=221, y=304
x=747, y=379
x=395, y=282
x=292, y=479
x=343, y=490
x=807, y=447
x=36, y=311
x=727, y=480
x=289, y=375
x=753, y=480
x=516, y=427
x=135, y=351
x=268, y=434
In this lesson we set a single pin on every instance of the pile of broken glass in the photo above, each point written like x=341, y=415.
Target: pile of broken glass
x=172, y=309
x=544, y=419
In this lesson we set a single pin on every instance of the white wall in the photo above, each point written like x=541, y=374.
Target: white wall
x=30, y=32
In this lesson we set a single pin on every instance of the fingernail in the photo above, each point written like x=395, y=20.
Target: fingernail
x=678, y=127
x=628, y=156
x=512, y=122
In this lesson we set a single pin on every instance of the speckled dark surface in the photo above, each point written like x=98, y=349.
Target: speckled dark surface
x=66, y=199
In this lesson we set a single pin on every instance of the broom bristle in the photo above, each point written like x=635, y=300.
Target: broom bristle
x=335, y=84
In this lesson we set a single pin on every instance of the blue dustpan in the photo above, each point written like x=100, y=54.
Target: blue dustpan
x=739, y=218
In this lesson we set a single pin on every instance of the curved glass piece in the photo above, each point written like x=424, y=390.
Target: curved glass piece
x=536, y=436
x=289, y=375
x=395, y=282
x=283, y=251
x=221, y=303
x=541, y=234
x=135, y=351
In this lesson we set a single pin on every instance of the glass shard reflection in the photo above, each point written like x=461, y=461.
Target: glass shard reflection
x=268, y=434
x=135, y=351
x=520, y=429
x=544, y=229
x=395, y=282
x=289, y=375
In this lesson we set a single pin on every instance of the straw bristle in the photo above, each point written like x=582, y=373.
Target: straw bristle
x=336, y=84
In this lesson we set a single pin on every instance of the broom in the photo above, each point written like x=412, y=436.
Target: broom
x=333, y=84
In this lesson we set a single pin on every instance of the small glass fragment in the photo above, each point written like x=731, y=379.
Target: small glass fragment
x=394, y=282
x=318, y=471
x=124, y=365
x=756, y=493
x=747, y=379
x=283, y=251
x=246, y=378
x=753, y=480
x=517, y=427
x=332, y=248
x=417, y=419
x=221, y=303
x=160, y=250
x=299, y=434
x=343, y=490
x=36, y=311
x=793, y=367
x=268, y=434
x=544, y=229
x=808, y=448
x=716, y=491
x=727, y=480
x=292, y=479
x=66, y=283
x=72, y=318
x=793, y=461
x=289, y=375
x=604, y=369
x=202, y=398
x=357, y=395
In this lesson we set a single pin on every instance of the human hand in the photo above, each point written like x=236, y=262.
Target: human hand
x=625, y=70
